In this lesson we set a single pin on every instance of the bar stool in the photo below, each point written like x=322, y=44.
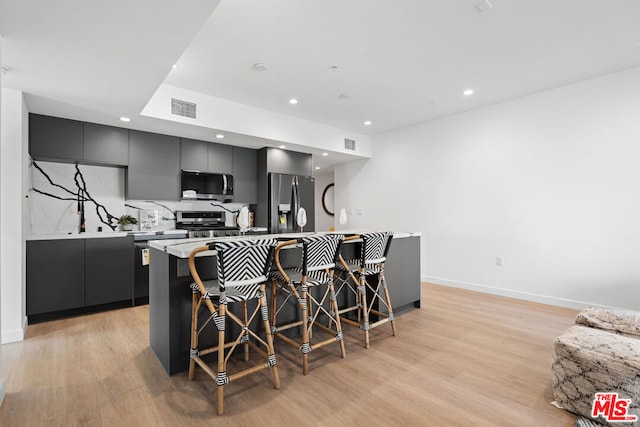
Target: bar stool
x=353, y=274
x=319, y=255
x=243, y=268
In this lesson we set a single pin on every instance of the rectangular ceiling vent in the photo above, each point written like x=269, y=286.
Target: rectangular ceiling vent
x=350, y=144
x=183, y=108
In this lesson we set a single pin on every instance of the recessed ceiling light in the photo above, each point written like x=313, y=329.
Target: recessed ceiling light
x=125, y=119
x=468, y=92
x=325, y=154
x=317, y=167
x=175, y=66
x=259, y=66
x=282, y=146
x=367, y=122
x=293, y=101
x=220, y=136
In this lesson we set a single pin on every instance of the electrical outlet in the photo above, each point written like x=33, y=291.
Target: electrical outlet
x=360, y=211
x=500, y=261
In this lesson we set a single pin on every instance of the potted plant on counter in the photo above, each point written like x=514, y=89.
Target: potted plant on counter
x=127, y=222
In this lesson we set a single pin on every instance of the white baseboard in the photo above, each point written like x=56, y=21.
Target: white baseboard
x=2, y=390
x=14, y=335
x=527, y=296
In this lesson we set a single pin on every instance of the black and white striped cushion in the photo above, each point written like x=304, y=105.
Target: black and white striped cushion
x=242, y=267
x=319, y=252
x=374, y=246
x=233, y=294
x=314, y=278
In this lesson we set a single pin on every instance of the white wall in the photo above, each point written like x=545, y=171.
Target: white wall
x=2, y=383
x=12, y=247
x=549, y=181
x=323, y=221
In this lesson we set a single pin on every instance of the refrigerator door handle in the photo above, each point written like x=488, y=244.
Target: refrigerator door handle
x=295, y=202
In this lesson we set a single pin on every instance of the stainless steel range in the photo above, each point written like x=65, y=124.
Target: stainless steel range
x=204, y=224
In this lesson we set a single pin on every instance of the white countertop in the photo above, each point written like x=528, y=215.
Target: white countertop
x=91, y=235
x=183, y=247
x=107, y=234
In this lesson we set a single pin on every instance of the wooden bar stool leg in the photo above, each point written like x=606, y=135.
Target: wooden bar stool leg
x=269, y=339
x=222, y=379
x=362, y=289
x=245, y=338
x=195, y=297
x=272, y=312
x=356, y=282
x=334, y=306
x=309, y=313
x=305, y=348
x=386, y=295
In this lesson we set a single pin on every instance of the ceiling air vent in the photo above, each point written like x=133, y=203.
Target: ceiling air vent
x=350, y=144
x=183, y=108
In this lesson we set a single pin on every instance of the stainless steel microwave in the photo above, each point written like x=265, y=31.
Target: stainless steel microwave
x=206, y=186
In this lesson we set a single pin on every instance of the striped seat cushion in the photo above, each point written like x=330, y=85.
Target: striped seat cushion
x=354, y=266
x=231, y=294
x=314, y=278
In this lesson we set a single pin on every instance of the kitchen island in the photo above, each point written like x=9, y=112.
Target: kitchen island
x=170, y=293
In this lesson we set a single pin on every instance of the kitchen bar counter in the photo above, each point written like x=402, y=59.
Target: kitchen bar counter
x=181, y=248
x=170, y=292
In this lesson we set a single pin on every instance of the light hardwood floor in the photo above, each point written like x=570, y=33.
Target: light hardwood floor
x=463, y=359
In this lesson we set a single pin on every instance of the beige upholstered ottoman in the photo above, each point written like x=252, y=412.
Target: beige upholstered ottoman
x=587, y=360
x=625, y=322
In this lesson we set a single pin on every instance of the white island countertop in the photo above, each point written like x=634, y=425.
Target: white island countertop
x=181, y=248
x=90, y=235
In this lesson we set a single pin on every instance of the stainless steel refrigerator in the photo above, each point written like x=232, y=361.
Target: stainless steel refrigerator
x=287, y=194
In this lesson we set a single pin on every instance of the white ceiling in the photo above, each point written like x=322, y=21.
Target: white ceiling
x=400, y=62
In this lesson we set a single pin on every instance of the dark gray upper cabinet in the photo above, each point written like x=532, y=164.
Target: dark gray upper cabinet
x=108, y=270
x=63, y=140
x=205, y=156
x=55, y=275
x=52, y=138
x=154, y=166
x=220, y=158
x=290, y=162
x=106, y=145
x=245, y=175
x=194, y=155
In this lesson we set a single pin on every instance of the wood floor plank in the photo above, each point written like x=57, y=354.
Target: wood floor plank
x=463, y=359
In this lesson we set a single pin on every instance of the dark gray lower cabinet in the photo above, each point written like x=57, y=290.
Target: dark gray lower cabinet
x=108, y=270
x=402, y=271
x=66, y=274
x=55, y=275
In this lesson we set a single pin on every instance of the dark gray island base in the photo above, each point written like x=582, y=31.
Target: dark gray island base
x=170, y=294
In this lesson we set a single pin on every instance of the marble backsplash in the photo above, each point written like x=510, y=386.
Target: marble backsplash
x=56, y=212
